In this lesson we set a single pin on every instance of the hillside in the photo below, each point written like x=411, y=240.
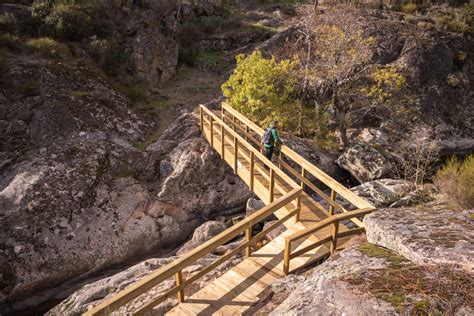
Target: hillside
x=103, y=168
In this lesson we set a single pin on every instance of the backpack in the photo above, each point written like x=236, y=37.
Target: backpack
x=267, y=137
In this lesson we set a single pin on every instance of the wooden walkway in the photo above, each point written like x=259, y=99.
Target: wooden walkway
x=314, y=229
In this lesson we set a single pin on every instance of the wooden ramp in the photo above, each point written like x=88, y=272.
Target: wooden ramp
x=315, y=225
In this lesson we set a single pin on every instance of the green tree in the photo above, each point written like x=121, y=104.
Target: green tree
x=263, y=89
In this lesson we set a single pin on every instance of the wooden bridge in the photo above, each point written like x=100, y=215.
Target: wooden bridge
x=316, y=225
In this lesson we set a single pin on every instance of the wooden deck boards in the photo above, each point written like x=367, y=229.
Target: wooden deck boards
x=238, y=289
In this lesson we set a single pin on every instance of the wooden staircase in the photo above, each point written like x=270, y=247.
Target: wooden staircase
x=315, y=227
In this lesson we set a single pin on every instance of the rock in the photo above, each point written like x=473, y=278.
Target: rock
x=382, y=192
x=153, y=56
x=94, y=293
x=133, y=202
x=365, y=162
x=203, y=233
x=287, y=284
x=323, y=291
x=275, y=232
x=316, y=155
x=364, y=279
x=425, y=235
x=253, y=205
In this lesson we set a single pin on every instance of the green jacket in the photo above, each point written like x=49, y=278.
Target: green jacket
x=276, y=139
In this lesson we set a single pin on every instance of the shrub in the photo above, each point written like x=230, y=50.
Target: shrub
x=3, y=64
x=68, y=23
x=456, y=181
x=9, y=41
x=47, y=47
x=7, y=22
x=210, y=24
x=263, y=89
x=458, y=26
x=113, y=57
x=409, y=8
x=137, y=93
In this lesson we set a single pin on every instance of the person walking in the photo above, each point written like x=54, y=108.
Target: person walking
x=270, y=139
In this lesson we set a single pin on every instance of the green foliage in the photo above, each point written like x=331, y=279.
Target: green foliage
x=3, y=64
x=137, y=93
x=409, y=8
x=262, y=89
x=68, y=23
x=456, y=181
x=209, y=60
x=7, y=22
x=113, y=57
x=9, y=41
x=47, y=47
x=29, y=88
x=387, y=81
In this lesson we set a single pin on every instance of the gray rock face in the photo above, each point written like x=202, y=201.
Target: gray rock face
x=203, y=233
x=93, y=293
x=253, y=205
x=425, y=235
x=153, y=56
x=76, y=197
x=365, y=162
x=324, y=292
x=383, y=192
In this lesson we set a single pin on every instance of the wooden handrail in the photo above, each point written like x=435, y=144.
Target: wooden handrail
x=333, y=220
x=341, y=190
x=257, y=153
x=191, y=257
x=326, y=222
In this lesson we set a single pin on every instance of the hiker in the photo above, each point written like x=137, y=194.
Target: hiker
x=270, y=139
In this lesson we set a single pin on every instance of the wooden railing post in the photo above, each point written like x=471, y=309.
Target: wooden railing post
x=179, y=282
x=201, y=117
x=272, y=185
x=222, y=140
x=212, y=132
x=233, y=121
x=235, y=154
x=298, y=205
x=248, y=238
x=335, y=231
x=247, y=132
x=333, y=198
x=252, y=165
x=286, y=257
x=302, y=176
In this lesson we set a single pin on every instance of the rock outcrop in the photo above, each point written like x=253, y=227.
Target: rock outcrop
x=365, y=162
x=427, y=234
x=93, y=293
x=383, y=192
x=368, y=280
x=77, y=197
x=203, y=233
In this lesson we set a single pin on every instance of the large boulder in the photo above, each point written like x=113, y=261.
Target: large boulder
x=253, y=205
x=432, y=234
x=368, y=280
x=76, y=197
x=366, y=162
x=93, y=293
x=202, y=234
x=383, y=192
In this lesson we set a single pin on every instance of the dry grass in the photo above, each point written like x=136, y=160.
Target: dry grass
x=456, y=181
x=48, y=47
x=413, y=289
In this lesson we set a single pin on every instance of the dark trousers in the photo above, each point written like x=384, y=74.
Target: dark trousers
x=269, y=152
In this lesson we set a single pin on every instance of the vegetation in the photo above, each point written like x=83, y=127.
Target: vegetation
x=9, y=41
x=7, y=22
x=263, y=89
x=413, y=289
x=456, y=181
x=47, y=47
x=409, y=8
x=137, y=93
